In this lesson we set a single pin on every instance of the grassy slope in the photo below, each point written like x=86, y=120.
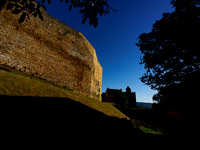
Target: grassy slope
x=14, y=83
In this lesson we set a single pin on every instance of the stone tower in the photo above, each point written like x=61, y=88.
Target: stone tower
x=131, y=97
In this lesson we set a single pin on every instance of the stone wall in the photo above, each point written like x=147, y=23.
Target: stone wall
x=50, y=50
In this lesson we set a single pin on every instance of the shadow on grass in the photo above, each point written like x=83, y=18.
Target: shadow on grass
x=58, y=115
x=61, y=117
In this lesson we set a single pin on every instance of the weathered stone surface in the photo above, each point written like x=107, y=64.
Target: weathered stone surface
x=50, y=50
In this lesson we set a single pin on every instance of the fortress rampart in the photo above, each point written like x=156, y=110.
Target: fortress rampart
x=50, y=50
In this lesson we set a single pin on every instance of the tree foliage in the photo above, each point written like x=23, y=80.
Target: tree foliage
x=171, y=50
x=90, y=9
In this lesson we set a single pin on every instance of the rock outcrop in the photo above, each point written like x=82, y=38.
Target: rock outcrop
x=50, y=50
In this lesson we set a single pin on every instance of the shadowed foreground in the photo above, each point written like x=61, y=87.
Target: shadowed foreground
x=51, y=118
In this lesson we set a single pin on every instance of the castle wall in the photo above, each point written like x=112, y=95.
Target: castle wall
x=50, y=50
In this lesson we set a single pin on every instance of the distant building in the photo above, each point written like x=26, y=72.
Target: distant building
x=116, y=95
x=131, y=97
x=112, y=94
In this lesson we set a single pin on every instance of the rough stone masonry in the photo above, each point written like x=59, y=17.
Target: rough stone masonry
x=50, y=50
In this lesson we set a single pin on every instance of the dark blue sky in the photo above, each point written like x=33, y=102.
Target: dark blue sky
x=115, y=37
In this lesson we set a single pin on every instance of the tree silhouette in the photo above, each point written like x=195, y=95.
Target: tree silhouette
x=89, y=9
x=171, y=55
x=171, y=50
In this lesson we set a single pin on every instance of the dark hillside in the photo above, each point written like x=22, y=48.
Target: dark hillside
x=47, y=112
x=58, y=117
x=15, y=83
